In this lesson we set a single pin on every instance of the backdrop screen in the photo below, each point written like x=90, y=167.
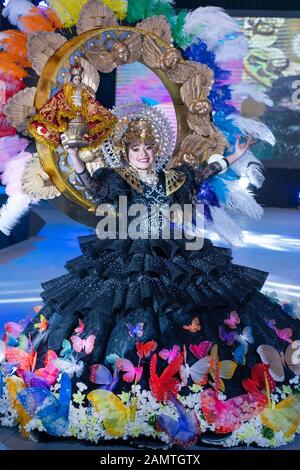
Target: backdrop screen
x=272, y=64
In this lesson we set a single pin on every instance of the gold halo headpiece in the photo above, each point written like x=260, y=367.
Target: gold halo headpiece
x=140, y=122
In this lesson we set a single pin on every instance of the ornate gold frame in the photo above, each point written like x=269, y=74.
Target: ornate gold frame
x=185, y=100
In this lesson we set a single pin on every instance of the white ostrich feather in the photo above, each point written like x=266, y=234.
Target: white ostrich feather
x=250, y=167
x=225, y=226
x=252, y=127
x=241, y=201
x=210, y=24
x=16, y=8
x=11, y=212
x=248, y=90
x=231, y=49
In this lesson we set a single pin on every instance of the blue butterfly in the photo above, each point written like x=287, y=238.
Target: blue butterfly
x=229, y=337
x=136, y=330
x=55, y=414
x=245, y=338
x=67, y=350
x=184, y=430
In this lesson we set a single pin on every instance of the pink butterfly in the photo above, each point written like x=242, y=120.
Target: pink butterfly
x=233, y=320
x=132, y=373
x=285, y=333
x=86, y=345
x=80, y=329
x=200, y=350
x=169, y=354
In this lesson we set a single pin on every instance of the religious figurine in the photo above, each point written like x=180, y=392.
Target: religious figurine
x=74, y=110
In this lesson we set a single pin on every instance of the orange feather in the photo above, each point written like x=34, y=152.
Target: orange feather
x=35, y=22
x=52, y=16
x=8, y=65
x=15, y=42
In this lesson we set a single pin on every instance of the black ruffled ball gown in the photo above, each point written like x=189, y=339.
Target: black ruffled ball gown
x=122, y=282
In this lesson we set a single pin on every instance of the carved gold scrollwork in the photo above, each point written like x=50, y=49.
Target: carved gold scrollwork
x=104, y=45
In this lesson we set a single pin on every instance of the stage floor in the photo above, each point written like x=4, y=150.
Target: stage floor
x=272, y=245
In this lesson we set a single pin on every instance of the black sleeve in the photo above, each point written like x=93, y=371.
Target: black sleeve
x=105, y=185
x=98, y=188
x=206, y=171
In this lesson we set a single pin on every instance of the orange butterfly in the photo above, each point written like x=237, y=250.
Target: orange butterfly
x=145, y=349
x=43, y=325
x=25, y=360
x=194, y=326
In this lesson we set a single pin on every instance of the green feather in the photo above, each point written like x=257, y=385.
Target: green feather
x=137, y=10
x=177, y=25
x=142, y=9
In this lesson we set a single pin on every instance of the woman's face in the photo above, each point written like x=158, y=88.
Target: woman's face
x=140, y=155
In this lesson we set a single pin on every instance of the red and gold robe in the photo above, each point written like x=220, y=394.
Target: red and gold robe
x=53, y=118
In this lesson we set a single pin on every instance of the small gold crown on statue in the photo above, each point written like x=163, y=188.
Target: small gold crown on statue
x=76, y=69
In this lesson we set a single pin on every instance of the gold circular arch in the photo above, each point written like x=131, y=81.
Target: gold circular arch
x=188, y=90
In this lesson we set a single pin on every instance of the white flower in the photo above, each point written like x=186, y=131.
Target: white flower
x=81, y=386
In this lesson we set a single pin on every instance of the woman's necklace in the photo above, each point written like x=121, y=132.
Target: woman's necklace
x=148, y=176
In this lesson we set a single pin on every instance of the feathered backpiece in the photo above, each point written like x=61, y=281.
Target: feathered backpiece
x=207, y=38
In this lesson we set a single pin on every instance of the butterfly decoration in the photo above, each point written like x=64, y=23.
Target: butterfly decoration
x=244, y=339
x=24, y=343
x=12, y=331
x=229, y=337
x=43, y=324
x=13, y=335
x=273, y=296
x=194, y=326
x=101, y=375
x=276, y=361
x=136, y=330
x=25, y=360
x=165, y=385
x=67, y=350
x=145, y=349
x=169, y=354
x=257, y=382
x=116, y=414
x=228, y=416
x=15, y=385
x=132, y=373
x=86, y=345
x=55, y=414
x=80, y=328
x=226, y=368
x=70, y=366
x=201, y=350
x=285, y=416
x=285, y=334
x=233, y=320
x=198, y=371
x=44, y=377
x=184, y=430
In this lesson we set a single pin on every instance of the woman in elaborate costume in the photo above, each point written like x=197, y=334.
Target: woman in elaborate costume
x=142, y=336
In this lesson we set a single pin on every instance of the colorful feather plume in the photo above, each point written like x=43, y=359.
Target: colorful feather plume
x=118, y=7
x=210, y=24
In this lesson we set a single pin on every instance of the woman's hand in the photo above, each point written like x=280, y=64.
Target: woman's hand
x=77, y=163
x=240, y=149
